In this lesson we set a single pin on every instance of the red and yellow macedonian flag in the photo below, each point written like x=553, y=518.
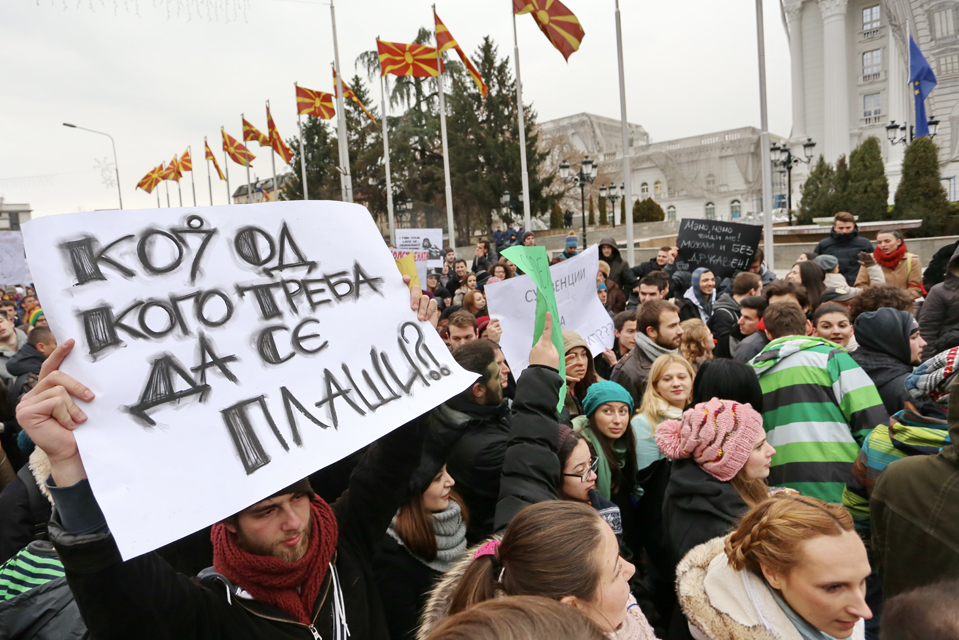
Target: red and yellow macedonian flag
x=252, y=134
x=235, y=150
x=348, y=93
x=210, y=156
x=151, y=180
x=445, y=40
x=407, y=59
x=186, y=162
x=318, y=104
x=555, y=21
x=276, y=142
x=172, y=171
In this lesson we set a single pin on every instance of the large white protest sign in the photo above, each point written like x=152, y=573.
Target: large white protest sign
x=233, y=351
x=13, y=264
x=426, y=245
x=513, y=301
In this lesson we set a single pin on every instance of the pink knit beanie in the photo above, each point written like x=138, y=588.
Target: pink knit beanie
x=719, y=435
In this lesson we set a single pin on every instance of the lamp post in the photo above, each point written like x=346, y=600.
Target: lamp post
x=509, y=205
x=893, y=131
x=116, y=165
x=782, y=156
x=405, y=208
x=612, y=193
x=586, y=175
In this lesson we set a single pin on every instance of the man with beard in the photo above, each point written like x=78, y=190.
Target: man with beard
x=288, y=566
x=657, y=333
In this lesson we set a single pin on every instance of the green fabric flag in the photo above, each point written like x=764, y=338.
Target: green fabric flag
x=534, y=262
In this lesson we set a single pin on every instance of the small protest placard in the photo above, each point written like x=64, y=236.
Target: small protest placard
x=13, y=263
x=426, y=245
x=513, y=302
x=721, y=247
x=233, y=351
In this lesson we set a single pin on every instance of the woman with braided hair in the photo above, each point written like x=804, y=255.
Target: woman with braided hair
x=794, y=569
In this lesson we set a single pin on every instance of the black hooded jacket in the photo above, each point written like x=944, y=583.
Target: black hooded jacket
x=845, y=247
x=24, y=362
x=885, y=354
x=618, y=268
x=939, y=316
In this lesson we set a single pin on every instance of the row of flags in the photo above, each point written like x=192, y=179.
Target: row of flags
x=555, y=20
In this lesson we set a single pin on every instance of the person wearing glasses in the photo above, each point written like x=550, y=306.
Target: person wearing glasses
x=546, y=460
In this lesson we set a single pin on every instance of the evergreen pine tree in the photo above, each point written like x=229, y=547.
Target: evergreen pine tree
x=920, y=195
x=603, y=218
x=840, y=185
x=868, y=190
x=817, y=193
x=556, y=217
x=648, y=210
x=322, y=157
x=592, y=213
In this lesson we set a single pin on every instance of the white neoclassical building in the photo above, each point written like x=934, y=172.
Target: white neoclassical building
x=714, y=176
x=850, y=77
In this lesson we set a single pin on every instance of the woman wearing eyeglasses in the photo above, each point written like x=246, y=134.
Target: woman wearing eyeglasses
x=546, y=460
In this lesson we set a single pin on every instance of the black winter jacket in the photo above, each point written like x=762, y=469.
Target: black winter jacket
x=619, y=271
x=25, y=511
x=936, y=271
x=24, y=362
x=405, y=584
x=884, y=353
x=144, y=598
x=46, y=612
x=477, y=436
x=845, y=247
x=939, y=315
x=725, y=316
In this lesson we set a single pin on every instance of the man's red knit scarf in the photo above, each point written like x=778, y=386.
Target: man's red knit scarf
x=273, y=581
x=890, y=260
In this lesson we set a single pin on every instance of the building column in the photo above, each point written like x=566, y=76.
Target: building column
x=793, y=11
x=835, y=79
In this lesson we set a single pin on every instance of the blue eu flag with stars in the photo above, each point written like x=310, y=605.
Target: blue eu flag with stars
x=921, y=80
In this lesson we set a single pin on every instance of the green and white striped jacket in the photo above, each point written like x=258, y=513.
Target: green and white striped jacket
x=818, y=407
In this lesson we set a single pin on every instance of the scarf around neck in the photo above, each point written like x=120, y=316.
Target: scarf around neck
x=291, y=587
x=890, y=260
x=604, y=476
x=649, y=348
x=805, y=630
x=450, y=533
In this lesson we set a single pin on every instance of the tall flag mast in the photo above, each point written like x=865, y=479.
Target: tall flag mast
x=345, y=179
x=627, y=162
x=563, y=30
x=402, y=60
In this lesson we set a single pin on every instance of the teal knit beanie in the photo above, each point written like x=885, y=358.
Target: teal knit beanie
x=604, y=391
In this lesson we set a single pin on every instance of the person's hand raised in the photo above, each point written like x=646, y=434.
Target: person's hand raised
x=48, y=414
x=424, y=306
x=494, y=330
x=544, y=351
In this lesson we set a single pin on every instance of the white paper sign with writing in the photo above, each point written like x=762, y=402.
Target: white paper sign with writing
x=13, y=264
x=233, y=351
x=513, y=301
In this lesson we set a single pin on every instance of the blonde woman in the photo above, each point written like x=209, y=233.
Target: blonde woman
x=697, y=343
x=668, y=390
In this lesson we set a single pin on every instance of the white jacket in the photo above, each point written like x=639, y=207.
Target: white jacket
x=724, y=604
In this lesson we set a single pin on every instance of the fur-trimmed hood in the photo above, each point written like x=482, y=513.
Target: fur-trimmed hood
x=39, y=466
x=634, y=627
x=725, y=604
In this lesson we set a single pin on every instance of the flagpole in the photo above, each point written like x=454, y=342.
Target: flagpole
x=158, y=199
x=246, y=161
x=446, y=150
x=226, y=168
x=166, y=185
x=345, y=179
x=299, y=122
x=272, y=155
x=192, y=181
x=209, y=179
x=627, y=161
x=179, y=191
x=527, y=223
x=386, y=156
x=767, y=170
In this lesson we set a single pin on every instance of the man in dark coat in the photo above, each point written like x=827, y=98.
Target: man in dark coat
x=939, y=315
x=726, y=310
x=145, y=598
x=474, y=427
x=914, y=509
x=889, y=348
x=657, y=333
x=845, y=245
x=618, y=267
x=936, y=271
x=485, y=258
x=25, y=364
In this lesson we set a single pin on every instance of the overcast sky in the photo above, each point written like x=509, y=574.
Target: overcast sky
x=159, y=75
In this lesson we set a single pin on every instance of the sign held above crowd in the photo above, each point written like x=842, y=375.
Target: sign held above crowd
x=233, y=351
x=722, y=247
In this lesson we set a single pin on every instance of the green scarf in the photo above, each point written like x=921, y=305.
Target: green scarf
x=604, y=478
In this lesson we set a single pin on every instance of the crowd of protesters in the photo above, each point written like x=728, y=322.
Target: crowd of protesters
x=753, y=458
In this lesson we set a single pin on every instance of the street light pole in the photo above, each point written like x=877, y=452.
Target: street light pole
x=587, y=173
x=116, y=165
x=782, y=156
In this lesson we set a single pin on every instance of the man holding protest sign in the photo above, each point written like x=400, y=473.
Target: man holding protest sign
x=287, y=564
